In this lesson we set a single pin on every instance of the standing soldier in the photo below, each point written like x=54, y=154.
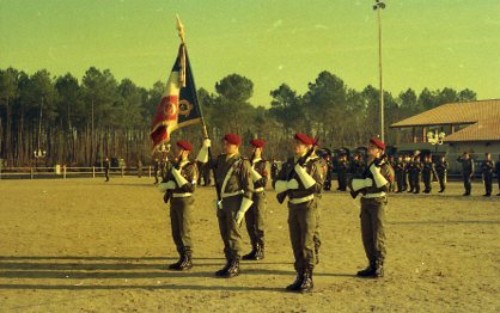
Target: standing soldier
x=342, y=172
x=328, y=172
x=234, y=181
x=411, y=173
x=156, y=169
x=107, y=167
x=301, y=179
x=407, y=161
x=255, y=216
x=139, y=168
x=178, y=185
x=357, y=166
x=274, y=169
x=399, y=169
x=428, y=171
x=497, y=166
x=487, y=169
x=416, y=169
x=441, y=170
x=468, y=169
x=373, y=186
x=392, y=163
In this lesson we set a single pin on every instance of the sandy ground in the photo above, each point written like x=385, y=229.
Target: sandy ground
x=82, y=245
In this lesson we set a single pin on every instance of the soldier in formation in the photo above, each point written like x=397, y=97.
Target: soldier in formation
x=233, y=176
x=487, y=168
x=256, y=215
x=428, y=173
x=178, y=186
x=468, y=169
x=374, y=186
x=342, y=169
x=399, y=169
x=441, y=171
x=497, y=169
x=301, y=180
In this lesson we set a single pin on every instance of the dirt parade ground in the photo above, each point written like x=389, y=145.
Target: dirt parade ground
x=82, y=245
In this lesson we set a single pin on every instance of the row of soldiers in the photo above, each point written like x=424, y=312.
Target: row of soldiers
x=241, y=196
x=413, y=170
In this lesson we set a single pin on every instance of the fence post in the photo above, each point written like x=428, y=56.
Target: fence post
x=93, y=171
x=123, y=171
x=64, y=171
x=31, y=172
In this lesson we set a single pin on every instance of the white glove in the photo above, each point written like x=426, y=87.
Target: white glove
x=358, y=183
x=166, y=186
x=203, y=153
x=379, y=179
x=181, y=181
x=284, y=185
x=244, y=206
x=255, y=175
x=306, y=179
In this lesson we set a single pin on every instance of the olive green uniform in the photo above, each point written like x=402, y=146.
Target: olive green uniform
x=372, y=217
x=255, y=216
x=303, y=213
x=233, y=187
x=181, y=206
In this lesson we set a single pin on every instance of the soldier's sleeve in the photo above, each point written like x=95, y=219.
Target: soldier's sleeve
x=388, y=172
x=190, y=172
x=262, y=170
x=246, y=179
x=318, y=175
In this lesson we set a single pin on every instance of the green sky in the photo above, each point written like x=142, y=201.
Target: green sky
x=427, y=43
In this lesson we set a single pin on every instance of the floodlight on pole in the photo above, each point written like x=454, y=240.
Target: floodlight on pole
x=379, y=5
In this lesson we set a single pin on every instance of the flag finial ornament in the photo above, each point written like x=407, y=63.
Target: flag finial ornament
x=180, y=28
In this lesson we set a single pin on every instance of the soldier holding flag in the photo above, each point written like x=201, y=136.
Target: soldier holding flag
x=233, y=177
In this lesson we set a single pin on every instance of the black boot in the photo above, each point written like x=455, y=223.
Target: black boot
x=295, y=286
x=223, y=271
x=185, y=261
x=233, y=270
x=175, y=266
x=257, y=253
x=379, y=269
x=307, y=281
x=367, y=272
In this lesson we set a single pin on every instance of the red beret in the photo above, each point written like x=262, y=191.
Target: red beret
x=257, y=143
x=233, y=139
x=304, y=139
x=377, y=143
x=185, y=145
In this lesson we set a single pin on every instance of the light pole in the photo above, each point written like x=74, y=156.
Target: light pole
x=436, y=139
x=379, y=5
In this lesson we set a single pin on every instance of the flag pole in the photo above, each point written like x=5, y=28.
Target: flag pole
x=180, y=29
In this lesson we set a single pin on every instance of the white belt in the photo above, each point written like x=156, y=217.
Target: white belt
x=259, y=189
x=231, y=194
x=374, y=195
x=181, y=195
x=301, y=200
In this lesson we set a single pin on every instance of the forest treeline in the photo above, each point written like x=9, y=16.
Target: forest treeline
x=80, y=121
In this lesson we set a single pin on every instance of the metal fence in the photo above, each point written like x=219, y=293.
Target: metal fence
x=63, y=172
